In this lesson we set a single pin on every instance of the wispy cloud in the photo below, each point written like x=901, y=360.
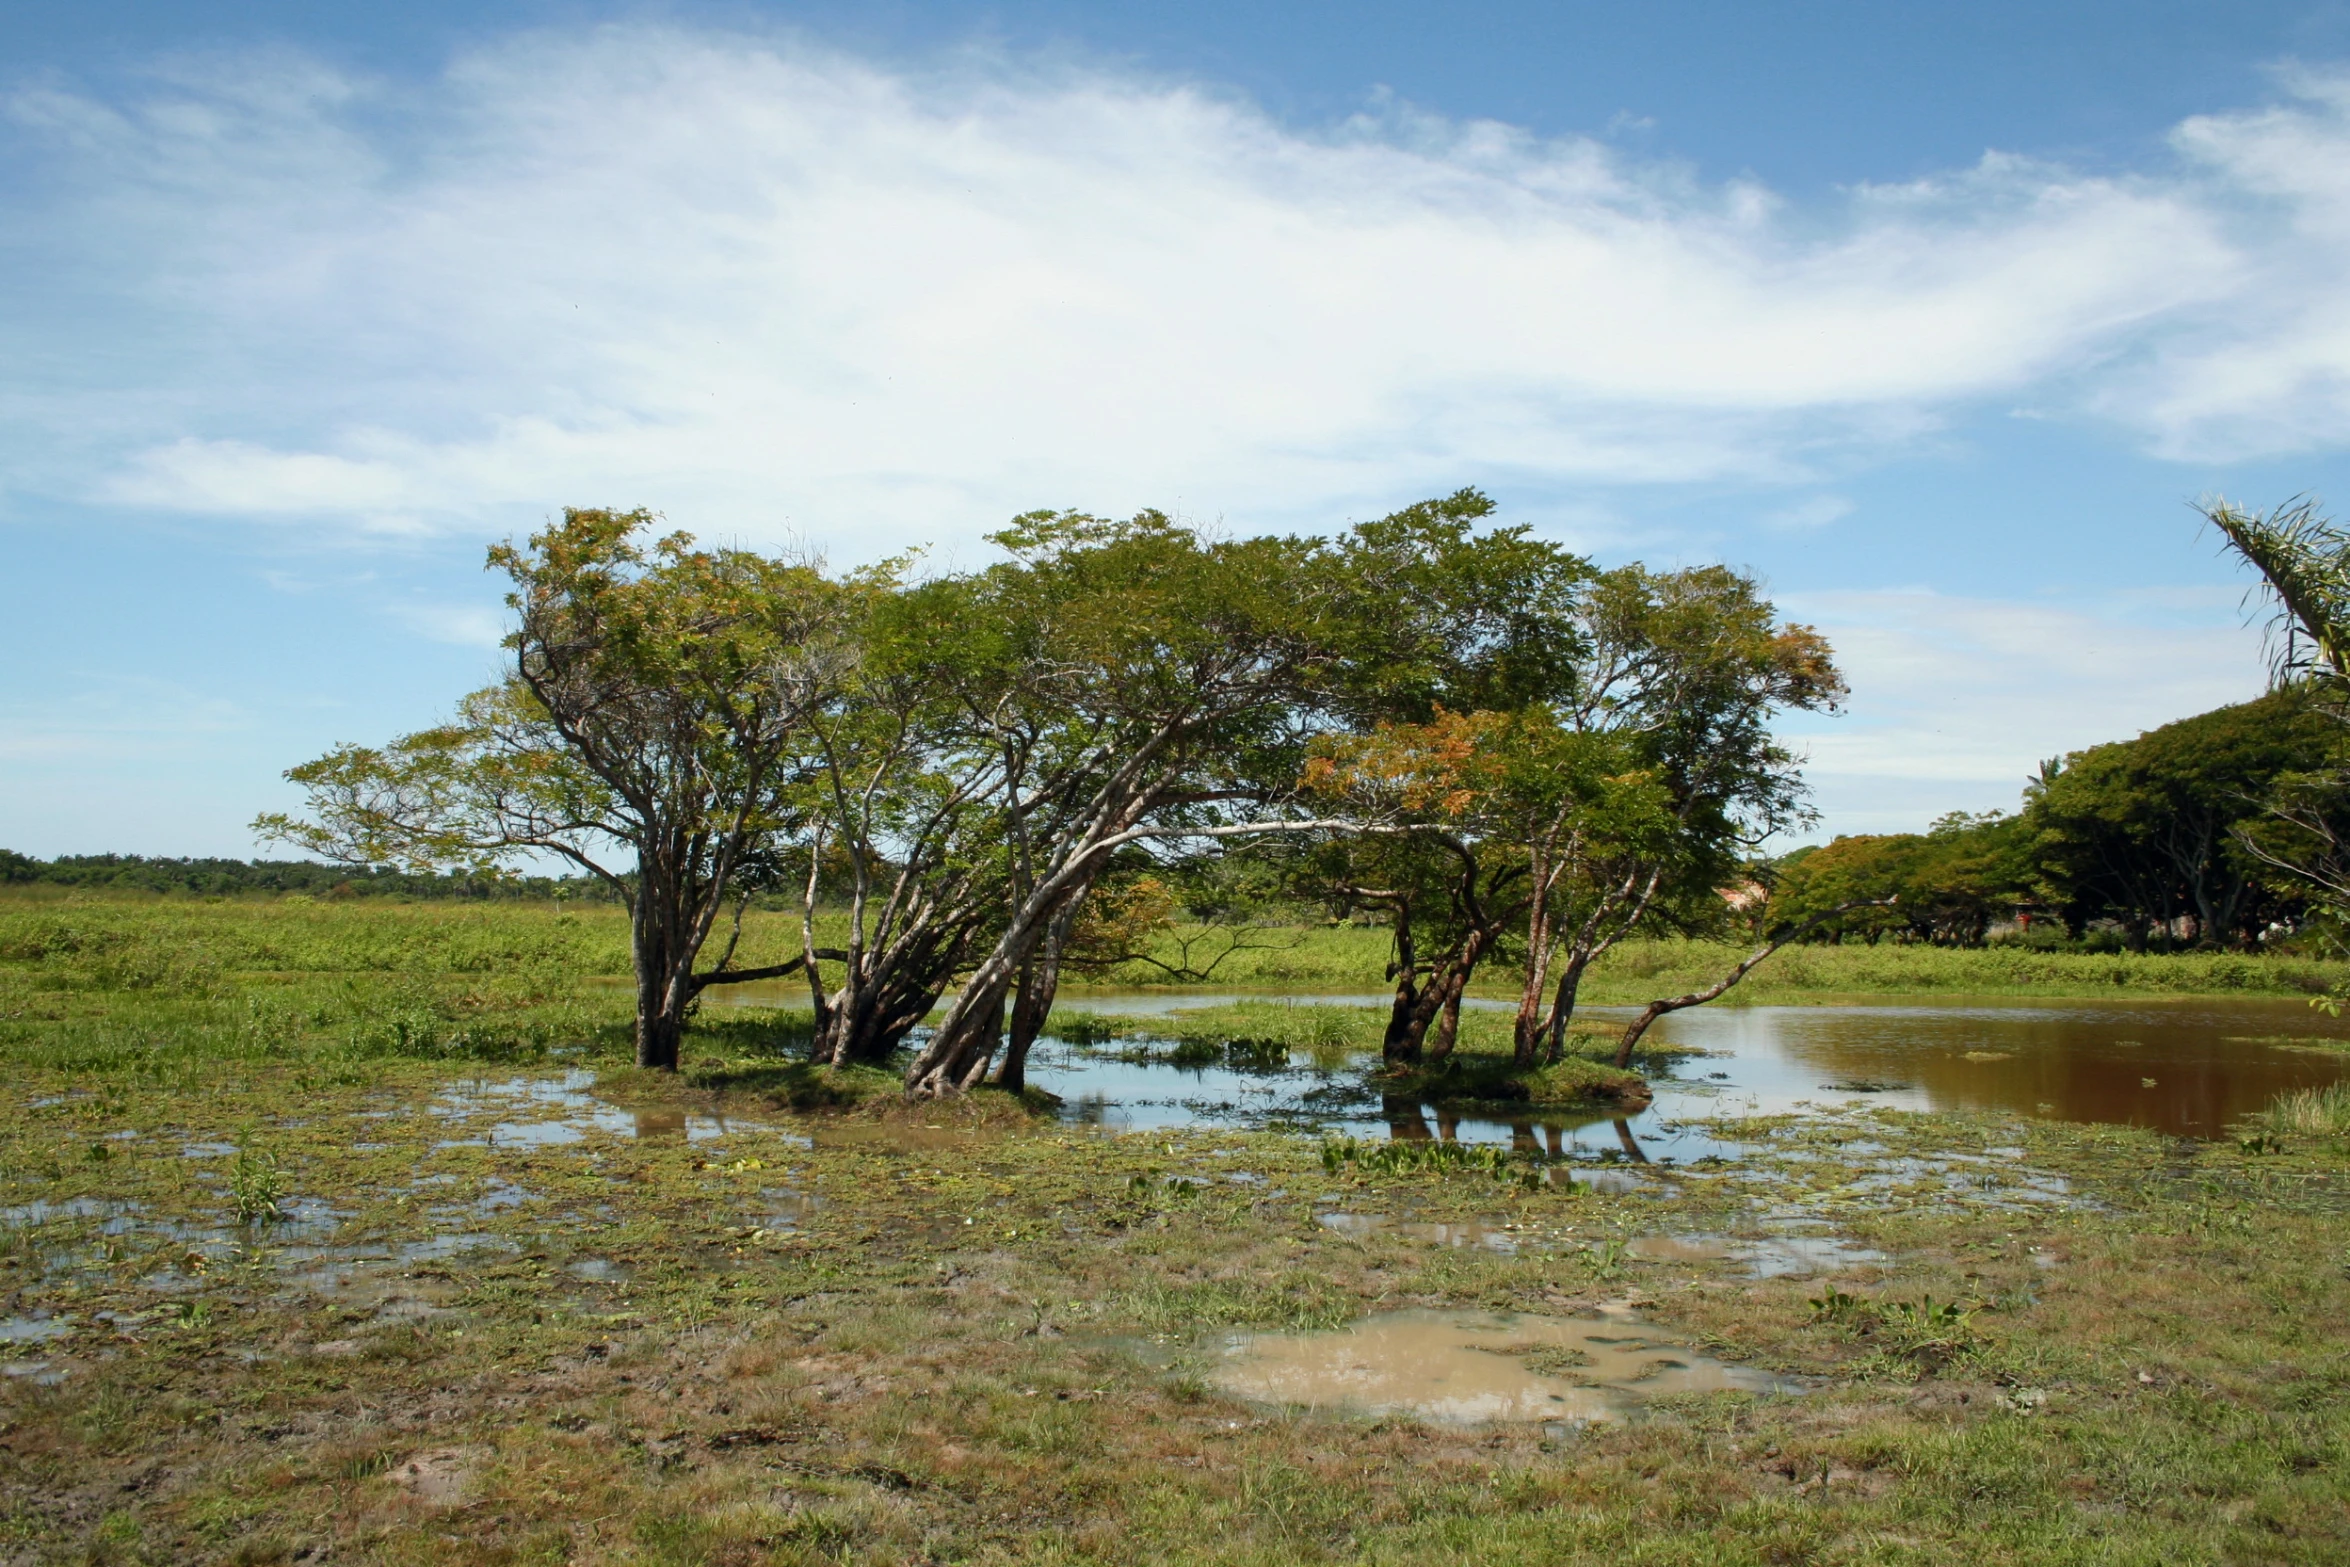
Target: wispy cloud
x=115, y=718
x=1957, y=700
x=779, y=290
x=465, y=625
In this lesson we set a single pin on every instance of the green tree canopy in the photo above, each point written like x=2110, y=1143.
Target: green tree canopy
x=646, y=733
x=2150, y=832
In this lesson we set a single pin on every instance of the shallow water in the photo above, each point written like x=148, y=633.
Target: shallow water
x=1763, y=1257
x=1492, y=1235
x=574, y=1112
x=2186, y=1067
x=1474, y=1367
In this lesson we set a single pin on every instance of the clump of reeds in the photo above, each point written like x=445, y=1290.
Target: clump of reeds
x=2311, y=1112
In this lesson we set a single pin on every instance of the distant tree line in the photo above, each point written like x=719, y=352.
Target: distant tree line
x=2168, y=841
x=224, y=878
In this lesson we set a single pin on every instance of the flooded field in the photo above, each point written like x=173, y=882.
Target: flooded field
x=438, y=1312
x=2191, y=1068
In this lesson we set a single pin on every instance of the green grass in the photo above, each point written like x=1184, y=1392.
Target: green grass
x=1342, y=959
x=2311, y=1112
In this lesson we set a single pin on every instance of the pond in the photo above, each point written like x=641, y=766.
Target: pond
x=2190, y=1068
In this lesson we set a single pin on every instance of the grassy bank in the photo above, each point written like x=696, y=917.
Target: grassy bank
x=207, y=946
x=1353, y=959
x=286, y=1283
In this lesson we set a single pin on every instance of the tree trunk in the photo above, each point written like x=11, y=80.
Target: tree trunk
x=1038, y=984
x=1526, y=1033
x=1439, y=998
x=1562, y=1005
x=1401, y=1045
x=1448, y=1027
x=659, y=1037
x=664, y=959
x=990, y=1033
x=972, y=1030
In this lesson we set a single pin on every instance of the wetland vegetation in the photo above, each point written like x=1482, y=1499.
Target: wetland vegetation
x=352, y=1232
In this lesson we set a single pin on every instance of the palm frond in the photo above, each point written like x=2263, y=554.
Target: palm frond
x=2304, y=562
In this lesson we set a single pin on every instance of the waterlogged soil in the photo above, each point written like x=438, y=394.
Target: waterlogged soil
x=2191, y=1068
x=693, y=1327
x=1469, y=1368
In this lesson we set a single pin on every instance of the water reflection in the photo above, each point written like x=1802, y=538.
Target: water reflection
x=2186, y=1067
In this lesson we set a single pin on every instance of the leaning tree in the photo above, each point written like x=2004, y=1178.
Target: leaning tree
x=1145, y=685
x=647, y=731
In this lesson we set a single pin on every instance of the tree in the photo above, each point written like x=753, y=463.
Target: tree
x=646, y=733
x=907, y=784
x=1449, y=636
x=1450, y=890
x=2151, y=832
x=1145, y=684
x=2304, y=563
x=1621, y=786
x=1658, y=1008
x=1670, y=773
x=1944, y=887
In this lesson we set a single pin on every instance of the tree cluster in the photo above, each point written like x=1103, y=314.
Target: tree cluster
x=2171, y=839
x=1004, y=775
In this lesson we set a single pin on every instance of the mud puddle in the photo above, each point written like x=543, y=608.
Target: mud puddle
x=1474, y=1368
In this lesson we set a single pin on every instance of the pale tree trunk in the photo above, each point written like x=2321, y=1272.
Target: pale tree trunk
x=973, y=1028
x=1593, y=938
x=967, y=1038
x=1526, y=1032
x=1562, y=1006
x=989, y=1033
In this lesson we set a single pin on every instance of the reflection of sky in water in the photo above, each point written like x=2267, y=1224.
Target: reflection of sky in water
x=580, y=1111
x=2189, y=1067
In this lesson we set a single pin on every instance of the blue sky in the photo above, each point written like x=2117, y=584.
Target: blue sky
x=1936, y=316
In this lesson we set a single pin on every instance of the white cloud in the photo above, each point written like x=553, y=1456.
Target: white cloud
x=784, y=294
x=1813, y=511
x=465, y=625
x=1958, y=700
x=773, y=289
x=2271, y=373
x=115, y=718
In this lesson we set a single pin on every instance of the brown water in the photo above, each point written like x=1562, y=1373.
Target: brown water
x=1475, y=1367
x=2186, y=1067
